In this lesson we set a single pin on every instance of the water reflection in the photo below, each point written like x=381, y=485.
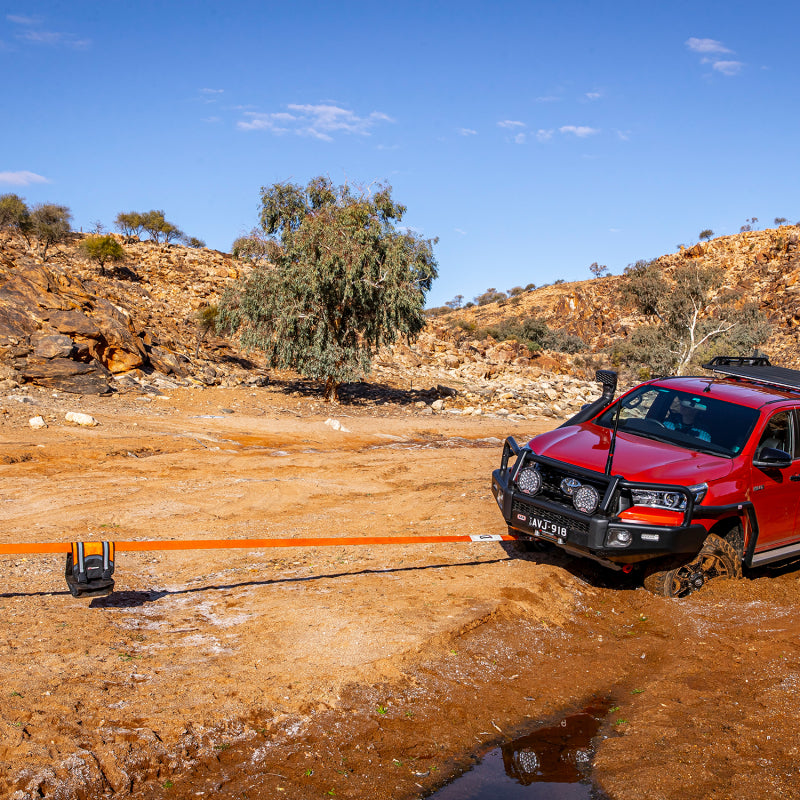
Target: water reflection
x=551, y=763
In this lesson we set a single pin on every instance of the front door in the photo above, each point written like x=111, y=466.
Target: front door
x=776, y=492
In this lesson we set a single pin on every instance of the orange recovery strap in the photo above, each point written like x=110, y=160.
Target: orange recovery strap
x=24, y=548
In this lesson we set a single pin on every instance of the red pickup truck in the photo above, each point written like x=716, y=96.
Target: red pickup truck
x=683, y=478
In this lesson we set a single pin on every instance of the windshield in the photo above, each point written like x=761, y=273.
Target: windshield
x=696, y=422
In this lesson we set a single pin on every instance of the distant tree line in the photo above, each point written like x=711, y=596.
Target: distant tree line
x=155, y=224
x=48, y=224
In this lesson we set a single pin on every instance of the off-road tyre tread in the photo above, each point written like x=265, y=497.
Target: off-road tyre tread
x=661, y=582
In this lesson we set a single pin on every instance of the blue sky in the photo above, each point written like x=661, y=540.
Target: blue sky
x=532, y=138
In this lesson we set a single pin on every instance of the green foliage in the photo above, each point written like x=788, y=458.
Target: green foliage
x=780, y=221
x=193, y=241
x=530, y=287
x=491, y=295
x=706, y=234
x=153, y=223
x=255, y=248
x=516, y=290
x=692, y=317
x=14, y=214
x=344, y=281
x=534, y=333
x=456, y=302
x=130, y=223
x=102, y=249
x=206, y=318
x=598, y=270
x=750, y=225
x=156, y=225
x=50, y=225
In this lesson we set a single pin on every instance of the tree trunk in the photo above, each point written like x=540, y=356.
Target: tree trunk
x=331, y=391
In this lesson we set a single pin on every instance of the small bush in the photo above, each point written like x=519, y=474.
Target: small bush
x=491, y=295
x=102, y=250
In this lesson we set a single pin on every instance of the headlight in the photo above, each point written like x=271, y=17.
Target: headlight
x=530, y=480
x=674, y=501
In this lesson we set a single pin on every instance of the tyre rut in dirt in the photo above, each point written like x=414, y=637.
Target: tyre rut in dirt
x=717, y=559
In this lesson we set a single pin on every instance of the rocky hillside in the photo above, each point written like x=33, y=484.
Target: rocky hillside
x=761, y=266
x=66, y=327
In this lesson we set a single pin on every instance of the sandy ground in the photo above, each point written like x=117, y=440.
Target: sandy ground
x=347, y=671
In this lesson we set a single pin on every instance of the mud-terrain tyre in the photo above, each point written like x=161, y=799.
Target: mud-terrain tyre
x=717, y=559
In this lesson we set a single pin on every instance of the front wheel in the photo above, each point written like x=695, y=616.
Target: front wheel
x=717, y=559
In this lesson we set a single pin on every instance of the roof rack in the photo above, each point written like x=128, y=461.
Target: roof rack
x=756, y=369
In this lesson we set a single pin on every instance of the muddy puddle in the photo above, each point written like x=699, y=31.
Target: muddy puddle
x=553, y=762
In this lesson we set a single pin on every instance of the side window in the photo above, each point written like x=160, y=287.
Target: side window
x=780, y=433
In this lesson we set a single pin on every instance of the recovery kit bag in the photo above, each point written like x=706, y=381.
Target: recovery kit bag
x=90, y=566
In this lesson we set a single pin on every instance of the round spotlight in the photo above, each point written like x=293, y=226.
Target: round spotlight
x=586, y=499
x=570, y=485
x=529, y=481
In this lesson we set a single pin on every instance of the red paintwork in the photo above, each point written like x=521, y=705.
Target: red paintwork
x=635, y=458
x=774, y=493
x=652, y=516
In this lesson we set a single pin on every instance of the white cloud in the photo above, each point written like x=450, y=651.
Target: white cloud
x=212, y=91
x=625, y=136
x=728, y=67
x=320, y=121
x=22, y=178
x=711, y=49
x=511, y=123
x=54, y=38
x=706, y=46
x=544, y=134
x=212, y=120
x=466, y=132
x=20, y=19
x=520, y=138
x=581, y=131
x=37, y=36
x=548, y=98
x=593, y=95
x=460, y=231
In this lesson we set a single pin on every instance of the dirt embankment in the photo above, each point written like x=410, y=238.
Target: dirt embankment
x=366, y=672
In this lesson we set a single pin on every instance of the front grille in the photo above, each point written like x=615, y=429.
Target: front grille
x=552, y=516
x=553, y=474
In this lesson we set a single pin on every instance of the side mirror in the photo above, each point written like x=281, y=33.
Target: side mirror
x=772, y=458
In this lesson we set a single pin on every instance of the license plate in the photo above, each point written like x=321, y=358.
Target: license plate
x=544, y=527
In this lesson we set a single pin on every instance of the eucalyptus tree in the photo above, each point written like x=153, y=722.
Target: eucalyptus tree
x=343, y=279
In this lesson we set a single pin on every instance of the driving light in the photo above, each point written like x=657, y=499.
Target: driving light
x=586, y=499
x=570, y=485
x=619, y=538
x=530, y=480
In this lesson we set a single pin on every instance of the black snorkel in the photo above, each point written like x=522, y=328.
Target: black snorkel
x=613, y=444
x=608, y=380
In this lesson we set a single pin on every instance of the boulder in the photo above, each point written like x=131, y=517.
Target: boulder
x=51, y=345
x=67, y=375
x=85, y=420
